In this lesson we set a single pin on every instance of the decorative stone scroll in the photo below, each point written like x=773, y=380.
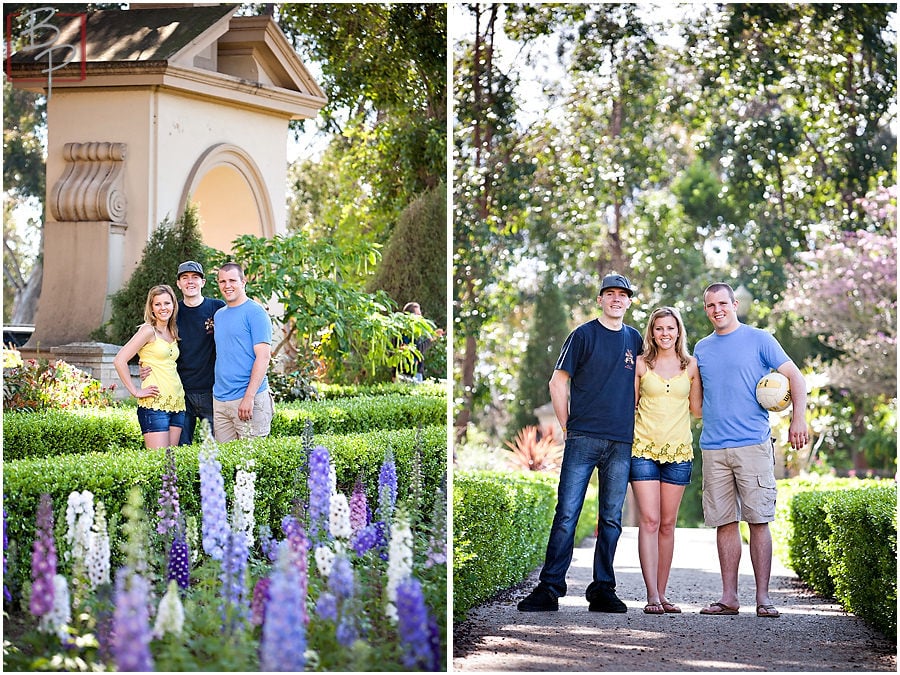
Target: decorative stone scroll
x=91, y=187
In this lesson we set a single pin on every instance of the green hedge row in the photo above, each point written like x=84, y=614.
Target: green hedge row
x=280, y=465
x=844, y=545
x=783, y=527
x=501, y=522
x=59, y=432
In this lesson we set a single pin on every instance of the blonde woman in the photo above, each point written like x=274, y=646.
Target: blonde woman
x=161, y=396
x=667, y=391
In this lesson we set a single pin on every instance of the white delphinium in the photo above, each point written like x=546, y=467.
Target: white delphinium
x=400, y=561
x=339, y=517
x=58, y=618
x=79, y=519
x=97, y=560
x=170, y=616
x=324, y=560
x=243, y=519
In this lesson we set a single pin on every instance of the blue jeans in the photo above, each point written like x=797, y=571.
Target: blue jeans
x=199, y=405
x=582, y=455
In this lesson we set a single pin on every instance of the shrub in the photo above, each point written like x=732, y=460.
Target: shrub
x=501, y=522
x=782, y=527
x=277, y=461
x=169, y=245
x=862, y=550
x=844, y=545
x=92, y=430
x=37, y=384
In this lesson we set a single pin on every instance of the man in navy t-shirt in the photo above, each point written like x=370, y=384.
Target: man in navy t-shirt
x=592, y=390
x=197, y=361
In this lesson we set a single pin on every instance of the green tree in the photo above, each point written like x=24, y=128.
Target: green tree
x=169, y=245
x=324, y=319
x=384, y=71
x=490, y=177
x=414, y=263
x=549, y=328
x=24, y=119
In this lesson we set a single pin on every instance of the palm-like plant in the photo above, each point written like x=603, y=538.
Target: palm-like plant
x=532, y=454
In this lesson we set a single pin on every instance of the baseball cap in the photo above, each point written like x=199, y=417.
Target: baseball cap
x=189, y=266
x=616, y=281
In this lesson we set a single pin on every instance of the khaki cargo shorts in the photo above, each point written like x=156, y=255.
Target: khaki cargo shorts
x=229, y=426
x=739, y=484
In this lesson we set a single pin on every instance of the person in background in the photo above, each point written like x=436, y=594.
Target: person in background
x=592, y=390
x=736, y=442
x=667, y=390
x=416, y=371
x=161, y=397
x=242, y=402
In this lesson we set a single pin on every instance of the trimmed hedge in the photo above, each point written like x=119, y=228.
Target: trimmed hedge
x=845, y=545
x=501, y=522
x=782, y=527
x=279, y=464
x=61, y=432
x=360, y=413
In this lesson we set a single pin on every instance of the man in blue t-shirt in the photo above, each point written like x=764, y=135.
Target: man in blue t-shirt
x=738, y=454
x=592, y=390
x=242, y=402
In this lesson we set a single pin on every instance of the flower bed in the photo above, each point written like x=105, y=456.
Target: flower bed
x=352, y=578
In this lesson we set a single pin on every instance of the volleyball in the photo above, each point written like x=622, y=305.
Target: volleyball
x=773, y=392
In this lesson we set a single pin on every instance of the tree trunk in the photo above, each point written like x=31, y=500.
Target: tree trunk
x=25, y=304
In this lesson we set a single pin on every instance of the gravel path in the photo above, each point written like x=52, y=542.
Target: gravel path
x=811, y=635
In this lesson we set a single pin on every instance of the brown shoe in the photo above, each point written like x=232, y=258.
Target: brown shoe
x=718, y=609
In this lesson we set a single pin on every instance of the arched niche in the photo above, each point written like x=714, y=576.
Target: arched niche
x=231, y=197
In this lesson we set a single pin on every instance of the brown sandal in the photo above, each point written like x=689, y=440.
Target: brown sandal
x=719, y=609
x=654, y=608
x=670, y=608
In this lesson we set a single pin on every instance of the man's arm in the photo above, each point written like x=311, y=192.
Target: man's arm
x=799, y=433
x=263, y=351
x=559, y=395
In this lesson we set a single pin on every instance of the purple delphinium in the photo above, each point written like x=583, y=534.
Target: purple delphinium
x=413, y=624
x=212, y=502
x=7, y=596
x=346, y=633
x=259, y=601
x=387, y=487
x=267, y=543
x=169, y=509
x=43, y=559
x=131, y=623
x=179, y=567
x=327, y=607
x=359, y=508
x=298, y=545
x=341, y=581
x=365, y=540
x=234, y=564
x=283, y=644
x=319, y=483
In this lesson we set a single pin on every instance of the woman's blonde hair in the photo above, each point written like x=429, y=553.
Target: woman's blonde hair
x=651, y=351
x=149, y=319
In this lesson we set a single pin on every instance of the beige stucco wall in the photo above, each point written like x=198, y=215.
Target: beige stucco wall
x=166, y=135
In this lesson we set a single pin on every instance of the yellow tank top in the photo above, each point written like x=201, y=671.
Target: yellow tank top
x=662, y=424
x=161, y=356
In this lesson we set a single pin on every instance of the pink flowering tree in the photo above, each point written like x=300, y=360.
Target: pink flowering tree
x=844, y=293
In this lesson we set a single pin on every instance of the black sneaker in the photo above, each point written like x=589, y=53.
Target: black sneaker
x=539, y=600
x=607, y=601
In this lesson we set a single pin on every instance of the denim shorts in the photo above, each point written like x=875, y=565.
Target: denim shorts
x=675, y=473
x=153, y=421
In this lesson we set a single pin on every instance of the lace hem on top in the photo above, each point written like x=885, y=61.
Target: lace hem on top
x=682, y=452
